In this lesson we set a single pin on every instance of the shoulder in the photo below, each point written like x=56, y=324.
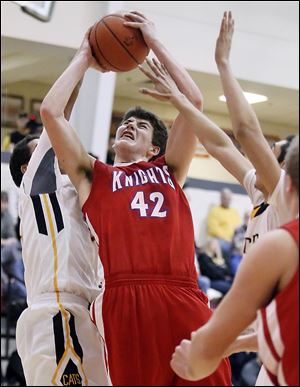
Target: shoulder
x=273, y=247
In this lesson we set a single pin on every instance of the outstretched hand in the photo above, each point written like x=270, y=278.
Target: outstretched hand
x=224, y=40
x=165, y=86
x=136, y=19
x=86, y=51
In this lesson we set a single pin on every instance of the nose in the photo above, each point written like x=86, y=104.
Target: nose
x=131, y=125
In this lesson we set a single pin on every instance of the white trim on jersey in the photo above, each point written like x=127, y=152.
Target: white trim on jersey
x=274, y=327
x=280, y=376
x=264, y=350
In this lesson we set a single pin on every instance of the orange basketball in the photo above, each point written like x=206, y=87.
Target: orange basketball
x=117, y=47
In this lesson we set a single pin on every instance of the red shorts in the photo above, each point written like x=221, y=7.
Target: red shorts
x=144, y=319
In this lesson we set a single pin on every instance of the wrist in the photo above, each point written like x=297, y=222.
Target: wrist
x=223, y=64
x=153, y=43
x=83, y=59
x=178, y=100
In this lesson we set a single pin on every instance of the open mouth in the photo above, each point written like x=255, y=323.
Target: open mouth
x=128, y=134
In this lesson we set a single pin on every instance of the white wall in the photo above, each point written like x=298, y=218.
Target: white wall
x=189, y=29
x=258, y=24
x=70, y=20
x=201, y=200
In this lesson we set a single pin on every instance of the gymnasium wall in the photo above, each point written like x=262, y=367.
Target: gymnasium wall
x=275, y=27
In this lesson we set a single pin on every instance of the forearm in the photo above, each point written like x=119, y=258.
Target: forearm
x=203, y=359
x=182, y=78
x=206, y=131
x=243, y=118
x=72, y=100
x=245, y=343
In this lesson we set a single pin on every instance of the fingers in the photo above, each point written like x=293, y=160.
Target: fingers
x=87, y=34
x=136, y=16
x=153, y=66
x=227, y=24
x=147, y=73
x=132, y=24
x=159, y=66
x=155, y=94
x=139, y=13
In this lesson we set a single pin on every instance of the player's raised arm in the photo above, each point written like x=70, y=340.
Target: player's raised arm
x=246, y=127
x=216, y=142
x=182, y=142
x=72, y=156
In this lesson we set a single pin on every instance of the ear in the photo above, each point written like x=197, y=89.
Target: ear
x=153, y=151
x=288, y=184
x=24, y=168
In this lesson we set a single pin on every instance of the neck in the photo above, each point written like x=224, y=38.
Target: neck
x=121, y=161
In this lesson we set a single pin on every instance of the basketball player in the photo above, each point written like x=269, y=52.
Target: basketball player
x=142, y=222
x=269, y=286
x=56, y=339
x=264, y=184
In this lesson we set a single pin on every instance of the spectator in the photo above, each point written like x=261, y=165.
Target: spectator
x=33, y=125
x=12, y=269
x=238, y=242
x=213, y=266
x=222, y=221
x=203, y=281
x=8, y=234
x=20, y=132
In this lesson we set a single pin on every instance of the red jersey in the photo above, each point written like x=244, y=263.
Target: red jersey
x=278, y=329
x=151, y=299
x=142, y=219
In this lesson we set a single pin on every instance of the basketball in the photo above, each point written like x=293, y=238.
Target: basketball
x=115, y=46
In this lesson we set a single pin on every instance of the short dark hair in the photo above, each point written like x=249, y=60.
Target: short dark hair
x=160, y=132
x=284, y=148
x=21, y=155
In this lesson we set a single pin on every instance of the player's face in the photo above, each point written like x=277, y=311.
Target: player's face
x=134, y=137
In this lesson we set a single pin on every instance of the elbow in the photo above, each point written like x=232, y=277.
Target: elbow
x=47, y=112
x=245, y=130
x=196, y=98
x=197, y=101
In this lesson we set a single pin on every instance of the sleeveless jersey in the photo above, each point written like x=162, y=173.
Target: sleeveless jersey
x=57, y=248
x=265, y=216
x=142, y=219
x=278, y=329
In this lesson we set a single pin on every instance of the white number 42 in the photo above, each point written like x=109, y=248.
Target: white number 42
x=138, y=203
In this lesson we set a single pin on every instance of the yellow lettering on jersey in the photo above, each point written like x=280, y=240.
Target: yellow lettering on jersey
x=71, y=379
